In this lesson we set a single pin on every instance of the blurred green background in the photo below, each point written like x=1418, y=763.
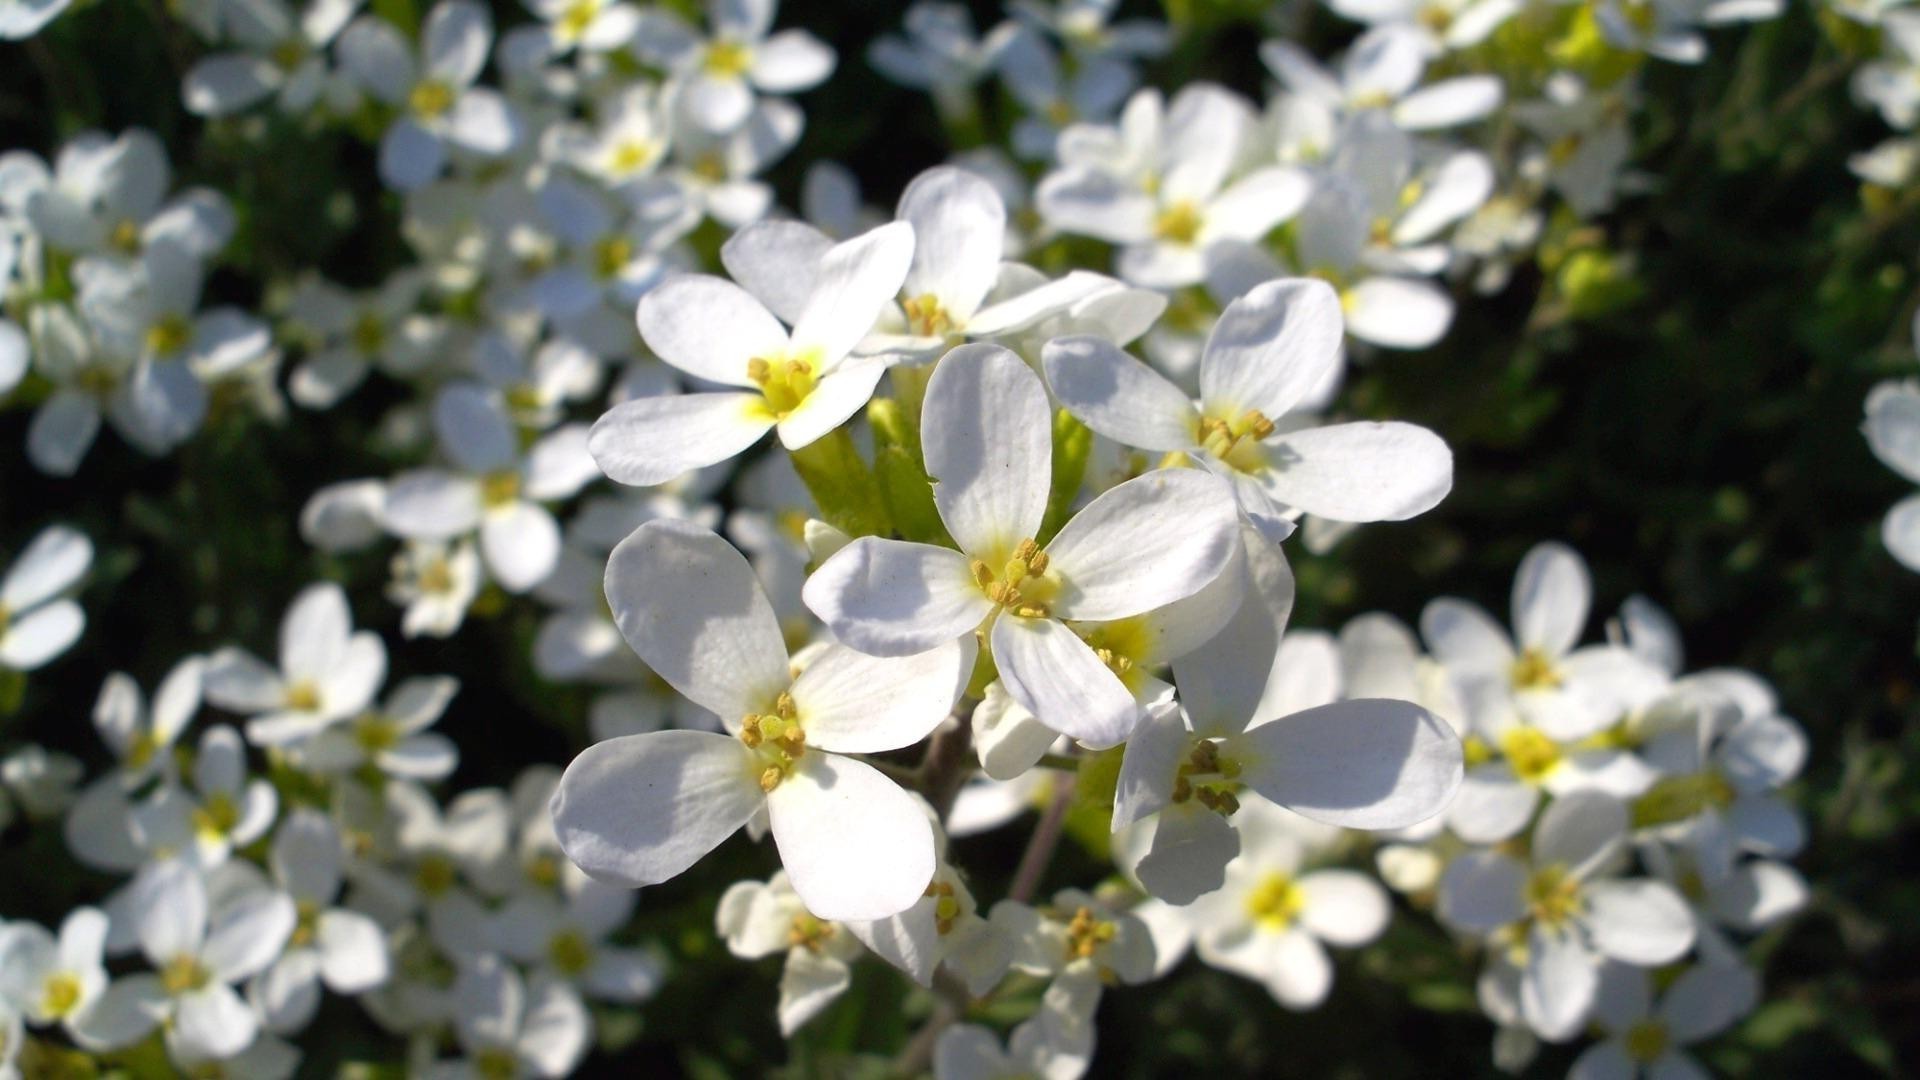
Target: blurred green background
x=1692, y=429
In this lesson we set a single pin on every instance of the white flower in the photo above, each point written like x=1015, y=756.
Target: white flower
x=764, y=919
x=1160, y=186
x=327, y=671
x=594, y=25
x=341, y=949
x=349, y=334
x=719, y=75
x=436, y=101
x=393, y=739
x=196, y=957
x=40, y=781
x=344, y=516
x=1888, y=84
x=632, y=139
x=1267, y=351
x=436, y=583
x=37, y=621
x=939, y=52
x=1271, y=922
x=108, y=197
x=22, y=19
x=509, y=1028
x=971, y=1052
x=140, y=738
x=1382, y=70
x=495, y=487
x=1557, y=917
x=55, y=980
x=1445, y=24
x=565, y=939
x=1054, y=94
x=1893, y=431
x=986, y=431
x=1642, y=1040
x=640, y=809
x=223, y=810
x=803, y=382
x=281, y=53
x=14, y=353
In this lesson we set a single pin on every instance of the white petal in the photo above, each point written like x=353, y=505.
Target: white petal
x=1640, y=922
x=1154, y=752
x=640, y=809
x=790, y=61
x=1491, y=805
x=1055, y=676
x=455, y=39
x=353, y=952
x=856, y=279
x=710, y=327
x=51, y=564
x=691, y=606
x=1271, y=348
x=656, y=439
x=894, y=598
x=1900, y=531
x=959, y=224
x=1236, y=679
x=429, y=504
x=1580, y=831
x=1760, y=893
x=1448, y=102
x=41, y=635
x=1398, y=313
x=987, y=434
x=1118, y=396
x=855, y=844
x=248, y=934
x=124, y=1013
x=857, y=704
x=808, y=984
x=1359, y=471
x=833, y=401
x=411, y=157
x=1190, y=850
x=314, y=632
x=1465, y=638
x=172, y=907
x=1364, y=764
x=213, y=1022
x=483, y=122
x=1143, y=544
x=227, y=83
x=775, y=261
x=521, y=543
x=474, y=429
x=1551, y=593
x=1343, y=907
x=1558, y=987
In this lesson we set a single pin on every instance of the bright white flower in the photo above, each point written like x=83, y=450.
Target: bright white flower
x=221, y=811
x=593, y=25
x=1587, y=141
x=986, y=431
x=802, y=382
x=436, y=583
x=718, y=172
x=564, y=939
x=37, y=620
x=1893, y=431
x=109, y=197
x=22, y=19
x=436, y=102
x=1719, y=786
x=196, y=955
x=393, y=739
x=939, y=52
x=495, y=487
x=1557, y=917
x=1161, y=188
x=764, y=919
x=640, y=809
x=1084, y=943
x=632, y=138
x=282, y=53
x=1055, y=93
x=327, y=671
x=350, y=334
x=1272, y=920
x=1382, y=70
x=330, y=946
x=41, y=782
x=14, y=353
x=1645, y=1040
x=1444, y=24
x=507, y=1027
x=971, y=1052
x=56, y=980
x=719, y=75
x=1267, y=351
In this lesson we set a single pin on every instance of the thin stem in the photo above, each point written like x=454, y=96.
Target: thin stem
x=944, y=769
x=1045, y=838
x=1059, y=761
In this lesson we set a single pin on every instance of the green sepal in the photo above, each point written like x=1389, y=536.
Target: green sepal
x=842, y=486
x=1072, y=445
x=904, y=485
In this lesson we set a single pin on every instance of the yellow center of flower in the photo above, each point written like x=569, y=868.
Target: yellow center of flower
x=1276, y=902
x=611, y=254
x=710, y=167
x=216, y=817
x=573, y=23
x=1179, y=223
x=778, y=739
x=1677, y=798
x=169, y=335
x=727, y=59
x=303, y=696
x=500, y=489
x=784, y=382
x=375, y=733
x=1060, y=112
x=1534, y=670
x=369, y=334
x=1553, y=895
x=544, y=870
x=59, y=994
x=184, y=974
x=430, y=100
x=496, y=1063
x=1209, y=778
x=1022, y=587
x=436, y=576
x=1236, y=440
x=569, y=953
x=1122, y=646
x=1475, y=751
x=630, y=156
x=125, y=237
x=927, y=317
x=435, y=874
x=809, y=933
x=1532, y=755
x=1646, y=1041
x=1086, y=933
x=946, y=906
x=306, y=926
x=144, y=745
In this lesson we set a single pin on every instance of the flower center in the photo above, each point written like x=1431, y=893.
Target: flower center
x=543, y=869
x=727, y=59
x=1086, y=933
x=436, y=576
x=144, y=745
x=1646, y=1041
x=288, y=54
x=1553, y=895
x=1534, y=670
x=1677, y=798
x=1209, y=778
x=496, y=1063
x=809, y=933
x=303, y=696
x=630, y=156
x=1532, y=755
x=1276, y=902
x=125, y=237
x=431, y=99
x=435, y=874
x=611, y=254
x=946, y=906
x=579, y=15
x=1179, y=223
x=777, y=737
x=369, y=334
x=569, y=953
x=59, y=994
x=1236, y=441
x=1022, y=587
x=216, y=817
x=169, y=335
x=184, y=974
x=784, y=383
x=500, y=489
x=375, y=733
x=307, y=925
x=927, y=317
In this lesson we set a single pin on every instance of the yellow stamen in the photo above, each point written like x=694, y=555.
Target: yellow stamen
x=1276, y=902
